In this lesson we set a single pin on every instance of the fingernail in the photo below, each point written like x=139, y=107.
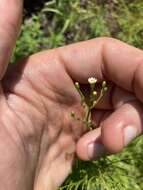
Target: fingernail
x=95, y=150
x=130, y=133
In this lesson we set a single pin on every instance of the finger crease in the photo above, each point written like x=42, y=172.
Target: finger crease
x=135, y=74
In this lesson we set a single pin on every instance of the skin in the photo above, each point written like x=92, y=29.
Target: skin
x=38, y=138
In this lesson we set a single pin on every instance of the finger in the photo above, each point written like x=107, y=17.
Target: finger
x=122, y=126
x=116, y=131
x=114, y=98
x=10, y=19
x=89, y=146
x=105, y=58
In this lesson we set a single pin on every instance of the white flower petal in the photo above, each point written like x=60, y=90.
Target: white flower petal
x=92, y=80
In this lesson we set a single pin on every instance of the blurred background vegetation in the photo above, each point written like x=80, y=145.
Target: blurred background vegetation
x=49, y=24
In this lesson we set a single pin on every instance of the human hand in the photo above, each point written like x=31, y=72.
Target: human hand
x=38, y=137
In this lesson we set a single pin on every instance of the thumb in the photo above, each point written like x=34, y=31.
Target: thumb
x=10, y=19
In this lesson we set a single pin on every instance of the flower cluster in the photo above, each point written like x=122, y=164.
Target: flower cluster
x=90, y=102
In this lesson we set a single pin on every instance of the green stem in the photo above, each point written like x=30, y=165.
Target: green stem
x=88, y=117
x=98, y=99
x=80, y=93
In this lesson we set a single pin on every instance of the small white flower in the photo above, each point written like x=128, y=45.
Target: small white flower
x=92, y=80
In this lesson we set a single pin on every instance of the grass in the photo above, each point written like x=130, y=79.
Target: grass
x=63, y=22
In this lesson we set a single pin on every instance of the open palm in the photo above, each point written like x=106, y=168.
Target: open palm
x=37, y=139
x=38, y=133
